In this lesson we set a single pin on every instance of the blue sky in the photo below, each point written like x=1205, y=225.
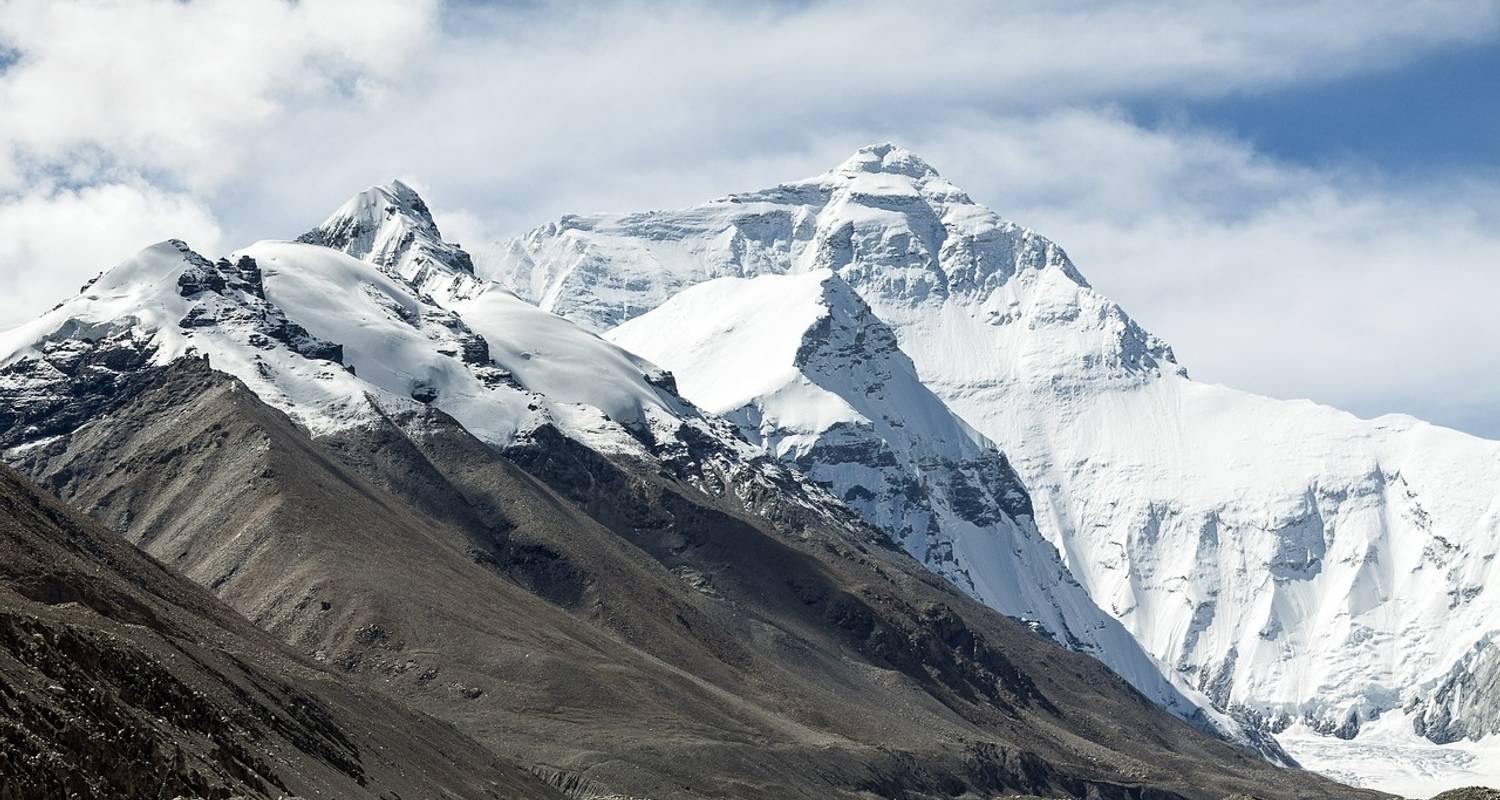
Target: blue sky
x=1437, y=114
x=1300, y=196
x=1439, y=111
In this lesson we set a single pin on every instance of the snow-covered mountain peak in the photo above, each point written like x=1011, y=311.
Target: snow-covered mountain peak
x=914, y=246
x=367, y=213
x=887, y=158
x=805, y=349
x=392, y=199
x=883, y=175
x=390, y=226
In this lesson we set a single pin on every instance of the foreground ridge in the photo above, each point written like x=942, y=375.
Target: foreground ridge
x=124, y=680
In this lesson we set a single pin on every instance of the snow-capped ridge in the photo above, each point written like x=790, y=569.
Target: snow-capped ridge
x=164, y=303
x=338, y=342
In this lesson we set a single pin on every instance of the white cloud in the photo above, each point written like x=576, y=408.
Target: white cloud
x=103, y=94
x=180, y=89
x=51, y=241
x=1286, y=280
x=559, y=106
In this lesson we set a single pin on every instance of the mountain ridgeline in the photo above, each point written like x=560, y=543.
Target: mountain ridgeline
x=791, y=566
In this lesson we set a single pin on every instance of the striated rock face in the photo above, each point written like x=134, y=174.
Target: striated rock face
x=1294, y=562
x=1465, y=703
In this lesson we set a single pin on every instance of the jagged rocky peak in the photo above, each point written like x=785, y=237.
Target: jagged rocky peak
x=355, y=225
x=391, y=226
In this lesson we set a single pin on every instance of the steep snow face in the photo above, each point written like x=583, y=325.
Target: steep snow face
x=1290, y=559
x=390, y=226
x=594, y=381
x=805, y=368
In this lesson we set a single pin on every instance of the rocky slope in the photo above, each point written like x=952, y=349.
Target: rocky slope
x=1293, y=561
x=121, y=679
x=1465, y=703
